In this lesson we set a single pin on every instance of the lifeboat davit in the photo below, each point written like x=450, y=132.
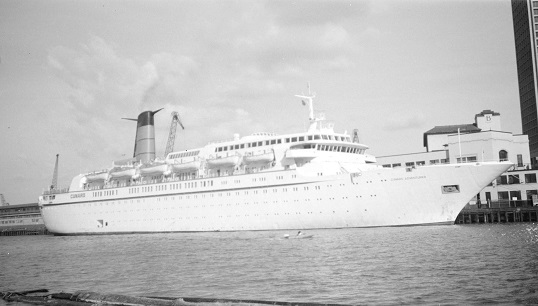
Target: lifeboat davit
x=259, y=157
x=223, y=162
x=97, y=176
x=154, y=169
x=185, y=166
x=123, y=172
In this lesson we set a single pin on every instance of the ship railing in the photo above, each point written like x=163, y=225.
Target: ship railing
x=55, y=191
x=220, y=141
x=501, y=204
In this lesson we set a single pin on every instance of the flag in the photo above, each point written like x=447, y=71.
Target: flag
x=304, y=103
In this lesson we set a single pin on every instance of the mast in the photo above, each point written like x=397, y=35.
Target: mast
x=310, y=102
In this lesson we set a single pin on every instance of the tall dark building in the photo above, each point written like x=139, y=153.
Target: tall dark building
x=525, y=18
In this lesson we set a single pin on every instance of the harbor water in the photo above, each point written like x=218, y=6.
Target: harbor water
x=447, y=265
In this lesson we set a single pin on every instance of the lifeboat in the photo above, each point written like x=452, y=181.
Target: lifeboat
x=223, y=162
x=97, y=176
x=122, y=172
x=154, y=169
x=259, y=157
x=185, y=166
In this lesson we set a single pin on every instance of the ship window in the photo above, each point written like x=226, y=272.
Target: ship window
x=325, y=137
x=273, y=141
x=317, y=137
x=242, y=146
x=301, y=138
x=253, y=144
x=279, y=141
x=260, y=143
x=310, y=137
x=267, y=142
x=287, y=140
x=294, y=139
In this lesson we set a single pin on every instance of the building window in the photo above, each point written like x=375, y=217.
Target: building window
x=502, y=180
x=513, y=179
x=530, y=178
x=503, y=155
x=530, y=193
x=515, y=195
x=410, y=164
x=396, y=165
x=503, y=195
x=520, y=160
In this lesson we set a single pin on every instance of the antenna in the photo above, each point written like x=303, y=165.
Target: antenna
x=356, y=135
x=54, y=183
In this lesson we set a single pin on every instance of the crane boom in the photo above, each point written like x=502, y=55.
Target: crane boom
x=54, y=183
x=172, y=135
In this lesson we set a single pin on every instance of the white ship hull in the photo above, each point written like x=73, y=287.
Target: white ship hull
x=289, y=199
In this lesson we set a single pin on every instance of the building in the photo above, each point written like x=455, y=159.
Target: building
x=482, y=140
x=525, y=20
x=23, y=219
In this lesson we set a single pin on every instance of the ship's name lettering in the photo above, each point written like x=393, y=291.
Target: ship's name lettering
x=78, y=195
x=408, y=178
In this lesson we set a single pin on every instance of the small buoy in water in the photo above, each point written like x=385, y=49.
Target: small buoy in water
x=286, y=236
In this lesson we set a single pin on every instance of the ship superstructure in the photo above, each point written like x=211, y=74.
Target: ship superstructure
x=313, y=179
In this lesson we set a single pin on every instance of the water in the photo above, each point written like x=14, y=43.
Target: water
x=448, y=265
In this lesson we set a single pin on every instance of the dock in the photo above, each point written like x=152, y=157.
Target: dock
x=471, y=215
x=24, y=231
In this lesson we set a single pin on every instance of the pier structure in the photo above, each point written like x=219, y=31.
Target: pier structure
x=500, y=214
x=23, y=219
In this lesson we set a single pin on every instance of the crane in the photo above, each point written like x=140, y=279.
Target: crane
x=54, y=183
x=3, y=200
x=172, y=136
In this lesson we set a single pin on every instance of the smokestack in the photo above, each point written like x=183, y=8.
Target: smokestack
x=144, y=149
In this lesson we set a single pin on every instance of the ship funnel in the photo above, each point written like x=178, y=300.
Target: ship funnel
x=144, y=149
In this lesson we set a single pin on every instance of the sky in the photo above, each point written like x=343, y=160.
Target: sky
x=70, y=70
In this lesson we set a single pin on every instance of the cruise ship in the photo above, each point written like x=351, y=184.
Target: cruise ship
x=315, y=179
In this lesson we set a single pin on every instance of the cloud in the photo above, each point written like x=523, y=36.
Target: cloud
x=104, y=87
x=97, y=76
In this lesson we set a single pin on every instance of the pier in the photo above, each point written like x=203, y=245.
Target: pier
x=24, y=231
x=501, y=214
